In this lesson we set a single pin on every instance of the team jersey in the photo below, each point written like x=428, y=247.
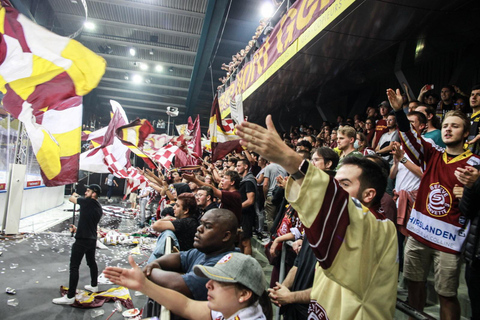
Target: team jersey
x=356, y=250
x=380, y=129
x=436, y=220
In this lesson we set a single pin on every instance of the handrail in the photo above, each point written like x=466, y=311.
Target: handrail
x=281, y=275
x=164, y=312
x=412, y=312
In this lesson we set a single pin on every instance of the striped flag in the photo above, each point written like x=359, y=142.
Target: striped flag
x=222, y=133
x=135, y=180
x=43, y=76
x=133, y=136
x=195, y=144
x=94, y=160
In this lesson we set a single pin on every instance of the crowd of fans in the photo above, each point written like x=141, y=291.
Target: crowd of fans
x=346, y=196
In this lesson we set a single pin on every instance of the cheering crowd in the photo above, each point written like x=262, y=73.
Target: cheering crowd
x=359, y=201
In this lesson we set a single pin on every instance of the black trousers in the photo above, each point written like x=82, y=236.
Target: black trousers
x=472, y=278
x=80, y=248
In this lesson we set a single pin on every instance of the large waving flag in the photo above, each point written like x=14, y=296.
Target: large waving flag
x=43, y=76
x=222, y=133
x=195, y=144
x=94, y=160
x=133, y=136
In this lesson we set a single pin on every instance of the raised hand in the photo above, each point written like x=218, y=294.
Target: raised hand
x=397, y=151
x=424, y=89
x=267, y=143
x=131, y=278
x=395, y=98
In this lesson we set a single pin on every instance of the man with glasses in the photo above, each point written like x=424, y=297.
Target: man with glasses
x=204, y=197
x=325, y=159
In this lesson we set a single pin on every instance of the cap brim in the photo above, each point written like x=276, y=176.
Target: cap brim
x=213, y=274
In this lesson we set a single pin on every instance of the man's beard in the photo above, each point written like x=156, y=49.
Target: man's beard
x=453, y=144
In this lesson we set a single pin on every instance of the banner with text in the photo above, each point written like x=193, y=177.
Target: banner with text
x=301, y=23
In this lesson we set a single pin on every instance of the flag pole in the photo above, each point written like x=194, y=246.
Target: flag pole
x=74, y=187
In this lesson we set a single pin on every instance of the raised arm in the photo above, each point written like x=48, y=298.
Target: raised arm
x=73, y=198
x=418, y=150
x=268, y=143
x=174, y=301
x=191, y=177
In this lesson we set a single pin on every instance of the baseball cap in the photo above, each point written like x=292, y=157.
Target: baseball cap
x=235, y=268
x=384, y=104
x=95, y=188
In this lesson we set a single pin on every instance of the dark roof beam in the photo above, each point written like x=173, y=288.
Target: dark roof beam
x=151, y=7
x=135, y=59
x=126, y=106
x=132, y=42
x=143, y=93
x=118, y=98
x=151, y=85
x=153, y=74
x=131, y=26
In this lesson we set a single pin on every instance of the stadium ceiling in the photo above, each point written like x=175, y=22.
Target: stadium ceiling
x=177, y=53
x=190, y=39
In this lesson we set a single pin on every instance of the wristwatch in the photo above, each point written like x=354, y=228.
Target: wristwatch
x=302, y=170
x=403, y=161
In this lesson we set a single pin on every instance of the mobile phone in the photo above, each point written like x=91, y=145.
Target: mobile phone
x=429, y=87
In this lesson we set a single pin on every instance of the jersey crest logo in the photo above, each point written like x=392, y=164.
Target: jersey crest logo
x=439, y=201
x=225, y=259
x=316, y=311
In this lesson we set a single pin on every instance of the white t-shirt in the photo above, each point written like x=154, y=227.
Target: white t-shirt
x=406, y=179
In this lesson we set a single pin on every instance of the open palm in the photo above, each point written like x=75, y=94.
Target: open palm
x=131, y=278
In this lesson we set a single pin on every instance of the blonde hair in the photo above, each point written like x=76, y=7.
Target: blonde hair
x=461, y=115
x=347, y=131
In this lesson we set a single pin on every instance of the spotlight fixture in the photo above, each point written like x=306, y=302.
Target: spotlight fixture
x=172, y=111
x=267, y=10
x=171, y=69
x=89, y=25
x=148, y=80
x=150, y=52
x=126, y=76
x=137, y=78
x=133, y=52
x=143, y=66
x=158, y=68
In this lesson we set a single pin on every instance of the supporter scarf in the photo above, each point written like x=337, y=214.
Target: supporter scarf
x=254, y=312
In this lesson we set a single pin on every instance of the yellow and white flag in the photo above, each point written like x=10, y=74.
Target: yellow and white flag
x=43, y=77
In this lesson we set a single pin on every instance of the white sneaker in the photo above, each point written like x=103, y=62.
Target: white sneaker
x=64, y=300
x=91, y=289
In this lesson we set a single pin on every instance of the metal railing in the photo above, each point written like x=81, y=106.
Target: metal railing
x=164, y=312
